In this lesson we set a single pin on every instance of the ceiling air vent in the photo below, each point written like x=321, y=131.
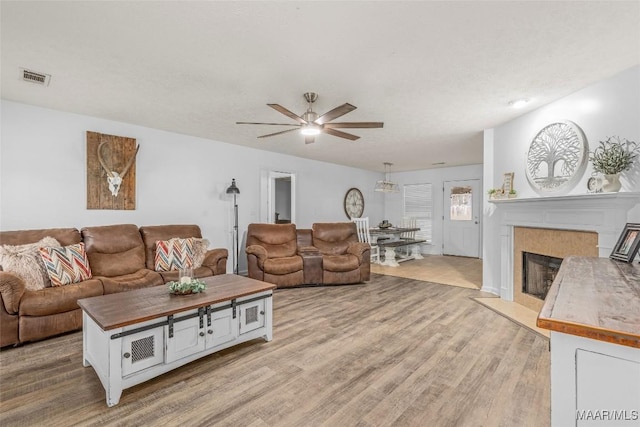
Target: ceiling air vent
x=35, y=77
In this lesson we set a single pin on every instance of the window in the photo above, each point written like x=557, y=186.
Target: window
x=461, y=207
x=418, y=204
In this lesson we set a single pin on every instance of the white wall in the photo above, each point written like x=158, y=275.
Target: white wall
x=180, y=179
x=394, y=201
x=607, y=108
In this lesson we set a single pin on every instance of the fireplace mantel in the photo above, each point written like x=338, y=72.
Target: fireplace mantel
x=603, y=213
x=628, y=199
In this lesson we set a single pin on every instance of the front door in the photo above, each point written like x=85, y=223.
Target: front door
x=461, y=225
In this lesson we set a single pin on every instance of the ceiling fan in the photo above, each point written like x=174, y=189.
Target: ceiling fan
x=310, y=124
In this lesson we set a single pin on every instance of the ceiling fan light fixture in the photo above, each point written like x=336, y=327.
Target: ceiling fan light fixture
x=310, y=130
x=386, y=186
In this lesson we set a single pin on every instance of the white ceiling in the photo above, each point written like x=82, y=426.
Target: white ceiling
x=436, y=73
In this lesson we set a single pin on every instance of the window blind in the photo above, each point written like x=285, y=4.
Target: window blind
x=418, y=204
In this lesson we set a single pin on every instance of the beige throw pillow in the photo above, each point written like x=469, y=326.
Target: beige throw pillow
x=25, y=262
x=200, y=247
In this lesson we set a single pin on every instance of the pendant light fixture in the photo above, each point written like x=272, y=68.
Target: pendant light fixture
x=386, y=186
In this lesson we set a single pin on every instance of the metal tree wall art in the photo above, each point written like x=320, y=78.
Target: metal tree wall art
x=557, y=157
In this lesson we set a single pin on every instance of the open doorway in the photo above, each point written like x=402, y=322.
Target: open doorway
x=279, y=203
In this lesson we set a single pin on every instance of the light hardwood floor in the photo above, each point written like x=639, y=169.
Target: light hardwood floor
x=393, y=352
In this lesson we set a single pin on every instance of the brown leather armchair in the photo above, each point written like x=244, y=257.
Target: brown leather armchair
x=344, y=258
x=272, y=254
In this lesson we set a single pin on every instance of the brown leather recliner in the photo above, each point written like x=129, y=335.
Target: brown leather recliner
x=272, y=254
x=344, y=258
x=117, y=257
x=330, y=253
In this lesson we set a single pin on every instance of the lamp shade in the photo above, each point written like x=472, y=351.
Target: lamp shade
x=233, y=189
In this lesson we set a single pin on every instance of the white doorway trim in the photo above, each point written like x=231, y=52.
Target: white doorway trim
x=268, y=194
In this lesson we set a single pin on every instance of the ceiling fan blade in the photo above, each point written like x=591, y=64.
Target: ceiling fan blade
x=335, y=113
x=277, y=133
x=354, y=125
x=271, y=124
x=340, y=134
x=288, y=113
x=309, y=139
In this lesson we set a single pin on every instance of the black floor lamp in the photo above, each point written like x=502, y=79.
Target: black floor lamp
x=235, y=191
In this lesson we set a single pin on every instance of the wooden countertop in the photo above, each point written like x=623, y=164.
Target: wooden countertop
x=126, y=308
x=596, y=298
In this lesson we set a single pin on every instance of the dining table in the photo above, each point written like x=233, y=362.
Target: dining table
x=391, y=238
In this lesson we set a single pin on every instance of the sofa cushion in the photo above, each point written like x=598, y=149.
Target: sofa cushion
x=114, y=250
x=278, y=239
x=143, y=278
x=58, y=299
x=340, y=263
x=284, y=265
x=66, y=264
x=173, y=254
x=334, y=238
x=25, y=262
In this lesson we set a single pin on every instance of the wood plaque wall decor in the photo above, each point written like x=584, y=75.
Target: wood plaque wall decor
x=115, y=157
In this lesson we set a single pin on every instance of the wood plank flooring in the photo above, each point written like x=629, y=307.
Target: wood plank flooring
x=393, y=352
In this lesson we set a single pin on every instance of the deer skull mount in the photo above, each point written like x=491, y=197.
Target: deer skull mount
x=114, y=179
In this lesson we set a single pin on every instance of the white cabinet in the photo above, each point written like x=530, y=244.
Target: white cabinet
x=202, y=330
x=593, y=383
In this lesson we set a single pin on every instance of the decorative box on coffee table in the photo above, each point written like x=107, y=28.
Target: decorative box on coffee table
x=131, y=337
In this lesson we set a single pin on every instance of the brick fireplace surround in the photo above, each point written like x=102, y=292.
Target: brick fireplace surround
x=558, y=226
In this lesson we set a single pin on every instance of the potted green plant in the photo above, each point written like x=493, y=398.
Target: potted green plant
x=611, y=157
x=512, y=194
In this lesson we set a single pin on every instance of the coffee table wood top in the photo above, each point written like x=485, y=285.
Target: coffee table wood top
x=127, y=308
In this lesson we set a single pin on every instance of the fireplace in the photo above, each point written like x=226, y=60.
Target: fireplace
x=538, y=273
x=556, y=226
x=548, y=247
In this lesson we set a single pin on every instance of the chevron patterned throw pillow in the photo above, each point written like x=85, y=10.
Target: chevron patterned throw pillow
x=174, y=254
x=66, y=264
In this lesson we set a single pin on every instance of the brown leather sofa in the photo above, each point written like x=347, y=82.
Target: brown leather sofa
x=328, y=253
x=121, y=258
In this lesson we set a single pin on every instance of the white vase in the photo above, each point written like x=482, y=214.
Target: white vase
x=611, y=183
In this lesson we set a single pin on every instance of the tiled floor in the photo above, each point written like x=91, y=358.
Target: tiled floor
x=448, y=270
x=466, y=273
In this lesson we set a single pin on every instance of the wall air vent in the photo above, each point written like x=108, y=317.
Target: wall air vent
x=35, y=77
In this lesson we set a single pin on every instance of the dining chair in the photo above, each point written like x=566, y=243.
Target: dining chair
x=362, y=226
x=408, y=222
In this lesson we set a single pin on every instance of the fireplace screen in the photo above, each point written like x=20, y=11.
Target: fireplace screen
x=538, y=273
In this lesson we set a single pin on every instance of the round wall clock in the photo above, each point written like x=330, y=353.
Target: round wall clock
x=557, y=157
x=354, y=203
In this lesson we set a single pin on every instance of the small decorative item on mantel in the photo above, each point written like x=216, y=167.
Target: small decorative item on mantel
x=611, y=158
x=186, y=284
